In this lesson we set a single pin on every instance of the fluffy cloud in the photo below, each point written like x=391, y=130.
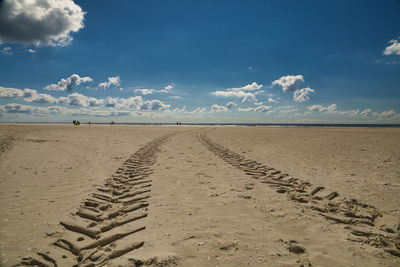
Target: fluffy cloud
x=28, y=95
x=41, y=98
x=15, y=93
x=68, y=83
x=302, y=95
x=333, y=110
x=198, y=111
x=18, y=108
x=366, y=112
x=123, y=103
x=241, y=92
x=262, y=108
x=289, y=82
x=136, y=102
x=41, y=22
x=230, y=105
x=7, y=51
x=167, y=88
x=393, y=49
x=271, y=100
x=388, y=113
x=145, y=91
x=77, y=99
x=115, y=81
x=54, y=110
x=329, y=109
x=250, y=87
x=153, y=105
x=218, y=108
x=30, y=50
x=244, y=95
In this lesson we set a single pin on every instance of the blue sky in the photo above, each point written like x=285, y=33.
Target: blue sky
x=200, y=61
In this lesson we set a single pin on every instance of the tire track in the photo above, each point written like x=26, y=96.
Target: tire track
x=104, y=225
x=359, y=218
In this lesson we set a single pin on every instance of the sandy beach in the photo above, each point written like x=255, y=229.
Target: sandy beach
x=123, y=195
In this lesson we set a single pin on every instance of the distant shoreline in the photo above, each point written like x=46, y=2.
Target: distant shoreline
x=344, y=125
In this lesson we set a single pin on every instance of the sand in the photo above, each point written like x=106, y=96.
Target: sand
x=113, y=195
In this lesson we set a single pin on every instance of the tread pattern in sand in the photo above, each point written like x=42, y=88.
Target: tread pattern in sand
x=359, y=218
x=104, y=226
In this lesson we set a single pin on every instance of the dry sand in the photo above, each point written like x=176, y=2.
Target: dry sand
x=199, y=196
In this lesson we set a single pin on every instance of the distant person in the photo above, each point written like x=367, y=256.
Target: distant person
x=74, y=122
x=177, y=123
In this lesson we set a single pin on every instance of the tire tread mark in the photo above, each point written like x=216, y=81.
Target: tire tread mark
x=329, y=205
x=112, y=212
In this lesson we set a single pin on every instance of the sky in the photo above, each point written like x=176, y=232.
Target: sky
x=200, y=61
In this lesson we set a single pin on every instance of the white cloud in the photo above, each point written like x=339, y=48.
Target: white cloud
x=31, y=51
x=289, y=82
x=14, y=92
x=250, y=87
x=180, y=110
x=329, y=109
x=28, y=95
x=68, y=83
x=175, y=97
x=18, y=108
x=54, y=110
x=197, y=111
x=41, y=98
x=153, y=105
x=136, y=102
x=388, y=113
x=77, y=99
x=239, y=94
x=302, y=95
x=145, y=91
x=115, y=81
x=271, y=100
x=124, y=103
x=7, y=51
x=263, y=108
x=366, y=112
x=218, y=108
x=41, y=22
x=332, y=109
x=167, y=88
x=393, y=49
x=230, y=105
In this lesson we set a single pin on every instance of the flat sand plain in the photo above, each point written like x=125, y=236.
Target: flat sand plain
x=112, y=195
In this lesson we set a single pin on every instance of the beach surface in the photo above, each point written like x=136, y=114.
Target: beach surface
x=124, y=195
